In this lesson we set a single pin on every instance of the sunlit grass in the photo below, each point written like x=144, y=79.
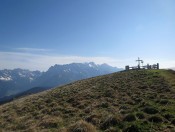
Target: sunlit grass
x=126, y=101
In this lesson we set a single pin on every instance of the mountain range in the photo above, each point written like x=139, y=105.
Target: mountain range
x=17, y=81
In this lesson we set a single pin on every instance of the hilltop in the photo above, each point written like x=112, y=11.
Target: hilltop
x=142, y=100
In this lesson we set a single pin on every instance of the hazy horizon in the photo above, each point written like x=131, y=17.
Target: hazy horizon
x=37, y=34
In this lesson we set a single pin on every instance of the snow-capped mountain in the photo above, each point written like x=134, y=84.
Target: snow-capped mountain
x=63, y=74
x=19, y=80
x=10, y=75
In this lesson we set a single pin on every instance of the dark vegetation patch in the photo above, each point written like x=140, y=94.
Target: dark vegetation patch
x=164, y=101
x=169, y=116
x=140, y=115
x=150, y=110
x=173, y=121
x=155, y=119
x=130, y=118
x=132, y=128
x=108, y=122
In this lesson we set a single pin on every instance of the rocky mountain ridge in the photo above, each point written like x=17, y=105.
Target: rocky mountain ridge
x=20, y=80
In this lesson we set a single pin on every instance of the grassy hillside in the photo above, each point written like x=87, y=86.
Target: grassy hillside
x=126, y=101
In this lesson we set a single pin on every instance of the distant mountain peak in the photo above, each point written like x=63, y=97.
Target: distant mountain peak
x=5, y=78
x=17, y=80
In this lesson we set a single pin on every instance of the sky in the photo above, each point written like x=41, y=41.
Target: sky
x=36, y=34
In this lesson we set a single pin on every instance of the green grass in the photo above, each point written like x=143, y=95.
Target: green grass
x=141, y=100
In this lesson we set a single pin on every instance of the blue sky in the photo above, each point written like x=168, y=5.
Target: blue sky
x=35, y=34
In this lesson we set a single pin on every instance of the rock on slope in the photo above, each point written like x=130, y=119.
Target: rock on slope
x=126, y=101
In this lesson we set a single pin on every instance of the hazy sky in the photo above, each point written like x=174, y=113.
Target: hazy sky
x=35, y=34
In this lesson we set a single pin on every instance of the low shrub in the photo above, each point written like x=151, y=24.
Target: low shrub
x=92, y=119
x=164, y=101
x=108, y=122
x=130, y=118
x=140, y=115
x=155, y=119
x=150, y=110
x=168, y=116
x=173, y=121
x=104, y=105
x=132, y=128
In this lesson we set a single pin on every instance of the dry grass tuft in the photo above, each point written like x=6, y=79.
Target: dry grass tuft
x=82, y=126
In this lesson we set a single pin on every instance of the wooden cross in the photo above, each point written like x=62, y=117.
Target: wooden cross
x=139, y=61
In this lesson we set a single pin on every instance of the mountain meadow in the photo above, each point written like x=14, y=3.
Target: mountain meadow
x=126, y=101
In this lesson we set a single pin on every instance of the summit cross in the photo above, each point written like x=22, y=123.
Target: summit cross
x=139, y=61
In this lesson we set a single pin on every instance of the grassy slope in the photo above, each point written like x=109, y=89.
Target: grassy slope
x=134, y=100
